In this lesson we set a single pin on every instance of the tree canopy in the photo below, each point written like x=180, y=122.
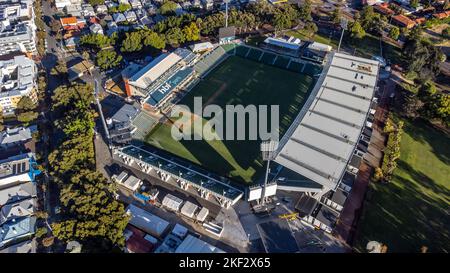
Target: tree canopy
x=107, y=59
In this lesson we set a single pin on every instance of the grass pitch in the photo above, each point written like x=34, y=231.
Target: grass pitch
x=237, y=81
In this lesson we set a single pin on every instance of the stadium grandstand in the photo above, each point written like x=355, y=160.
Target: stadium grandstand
x=172, y=170
x=155, y=82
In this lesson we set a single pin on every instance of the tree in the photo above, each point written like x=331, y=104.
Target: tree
x=41, y=232
x=305, y=11
x=414, y=3
x=356, y=30
x=168, y=7
x=191, y=32
x=281, y=21
x=175, y=36
x=446, y=32
x=97, y=41
x=132, y=42
x=153, y=39
x=336, y=15
x=60, y=68
x=367, y=17
x=27, y=117
x=107, y=59
x=394, y=32
x=311, y=28
x=25, y=104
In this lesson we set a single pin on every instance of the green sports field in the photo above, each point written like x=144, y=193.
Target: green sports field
x=237, y=81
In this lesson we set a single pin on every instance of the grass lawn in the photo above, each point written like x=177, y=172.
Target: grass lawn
x=237, y=81
x=413, y=210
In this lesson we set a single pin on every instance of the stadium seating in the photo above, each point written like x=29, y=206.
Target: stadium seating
x=281, y=62
x=254, y=54
x=296, y=66
x=210, y=60
x=268, y=58
x=143, y=123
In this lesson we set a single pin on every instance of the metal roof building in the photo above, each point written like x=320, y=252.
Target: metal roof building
x=195, y=245
x=322, y=139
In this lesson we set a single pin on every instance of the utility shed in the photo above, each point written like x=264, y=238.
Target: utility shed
x=172, y=202
x=189, y=209
x=203, y=213
x=146, y=221
x=132, y=183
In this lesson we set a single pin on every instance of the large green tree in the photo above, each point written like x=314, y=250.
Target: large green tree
x=107, y=59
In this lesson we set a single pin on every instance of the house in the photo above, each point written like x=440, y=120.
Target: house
x=135, y=4
x=17, y=210
x=111, y=28
x=111, y=4
x=72, y=23
x=101, y=9
x=119, y=17
x=79, y=69
x=88, y=10
x=130, y=16
x=403, y=21
x=17, y=192
x=74, y=10
x=420, y=20
x=124, y=2
x=17, y=230
x=96, y=29
x=383, y=9
x=207, y=4
x=442, y=15
x=71, y=43
x=16, y=136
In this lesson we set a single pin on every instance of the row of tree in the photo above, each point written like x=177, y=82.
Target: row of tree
x=394, y=132
x=89, y=212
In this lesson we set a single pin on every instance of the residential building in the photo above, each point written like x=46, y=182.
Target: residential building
x=79, y=69
x=16, y=136
x=61, y=4
x=17, y=28
x=17, y=230
x=119, y=17
x=74, y=10
x=96, y=29
x=131, y=16
x=112, y=27
x=17, y=79
x=17, y=169
x=72, y=23
x=101, y=9
x=88, y=10
x=403, y=21
x=136, y=4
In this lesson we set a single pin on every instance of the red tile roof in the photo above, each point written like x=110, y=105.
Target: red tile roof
x=403, y=21
x=69, y=21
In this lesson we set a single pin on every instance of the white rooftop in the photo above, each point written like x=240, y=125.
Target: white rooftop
x=321, y=140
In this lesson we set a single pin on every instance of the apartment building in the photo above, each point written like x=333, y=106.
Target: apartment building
x=17, y=28
x=18, y=78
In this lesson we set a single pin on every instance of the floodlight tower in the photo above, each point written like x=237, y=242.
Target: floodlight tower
x=268, y=151
x=226, y=12
x=344, y=27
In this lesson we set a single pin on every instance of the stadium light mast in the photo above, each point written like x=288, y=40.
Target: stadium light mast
x=226, y=12
x=268, y=149
x=344, y=27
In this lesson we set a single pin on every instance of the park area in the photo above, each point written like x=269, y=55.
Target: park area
x=237, y=81
x=412, y=211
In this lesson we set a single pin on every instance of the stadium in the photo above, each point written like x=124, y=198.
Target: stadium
x=324, y=107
